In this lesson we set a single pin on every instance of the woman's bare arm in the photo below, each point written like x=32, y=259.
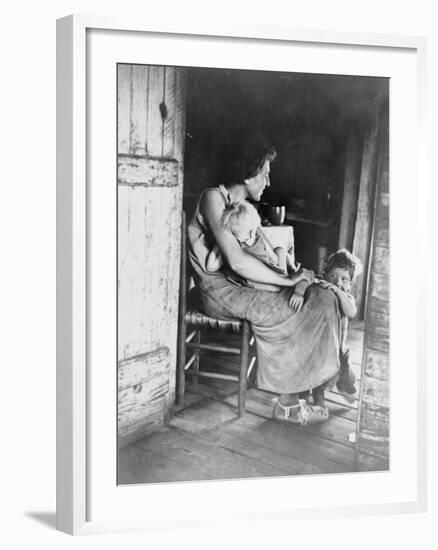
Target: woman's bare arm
x=243, y=264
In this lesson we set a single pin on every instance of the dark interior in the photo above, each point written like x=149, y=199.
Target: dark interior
x=307, y=117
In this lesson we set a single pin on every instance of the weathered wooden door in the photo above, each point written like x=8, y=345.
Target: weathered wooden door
x=151, y=120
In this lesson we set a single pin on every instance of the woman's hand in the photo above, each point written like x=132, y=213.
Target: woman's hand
x=303, y=275
x=307, y=274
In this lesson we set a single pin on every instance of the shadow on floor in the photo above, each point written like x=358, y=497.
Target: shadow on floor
x=46, y=518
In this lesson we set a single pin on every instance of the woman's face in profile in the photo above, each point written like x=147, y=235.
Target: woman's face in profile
x=258, y=183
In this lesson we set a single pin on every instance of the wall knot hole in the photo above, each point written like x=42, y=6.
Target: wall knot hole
x=163, y=110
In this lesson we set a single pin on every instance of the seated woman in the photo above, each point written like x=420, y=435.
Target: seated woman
x=297, y=351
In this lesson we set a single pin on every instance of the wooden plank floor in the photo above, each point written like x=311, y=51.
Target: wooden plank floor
x=206, y=440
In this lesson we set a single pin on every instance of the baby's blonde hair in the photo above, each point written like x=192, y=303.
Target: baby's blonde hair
x=238, y=215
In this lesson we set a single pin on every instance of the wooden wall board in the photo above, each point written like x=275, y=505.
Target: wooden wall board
x=147, y=172
x=376, y=364
x=374, y=420
x=143, y=368
x=138, y=117
x=124, y=82
x=351, y=190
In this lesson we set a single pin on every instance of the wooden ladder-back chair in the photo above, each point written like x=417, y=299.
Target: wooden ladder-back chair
x=191, y=316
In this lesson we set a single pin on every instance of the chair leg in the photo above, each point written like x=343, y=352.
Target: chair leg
x=180, y=385
x=244, y=356
x=252, y=362
x=195, y=367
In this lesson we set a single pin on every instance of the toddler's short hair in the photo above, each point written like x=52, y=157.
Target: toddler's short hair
x=239, y=214
x=345, y=260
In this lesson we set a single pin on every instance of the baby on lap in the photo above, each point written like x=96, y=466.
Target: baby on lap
x=243, y=221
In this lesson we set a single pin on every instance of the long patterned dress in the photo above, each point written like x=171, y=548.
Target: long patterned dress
x=296, y=351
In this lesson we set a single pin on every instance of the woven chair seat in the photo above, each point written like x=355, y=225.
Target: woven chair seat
x=199, y=319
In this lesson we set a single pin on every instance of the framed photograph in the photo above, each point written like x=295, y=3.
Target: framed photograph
x=235, y=212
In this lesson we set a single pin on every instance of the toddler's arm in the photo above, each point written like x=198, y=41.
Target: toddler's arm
x=215, y=260
x=347, y=302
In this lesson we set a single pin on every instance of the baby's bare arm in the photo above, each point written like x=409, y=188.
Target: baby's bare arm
x=215, y=260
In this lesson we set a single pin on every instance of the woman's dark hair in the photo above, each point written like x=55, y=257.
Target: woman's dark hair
x=249, y=156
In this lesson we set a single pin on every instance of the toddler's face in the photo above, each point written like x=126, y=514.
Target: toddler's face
x=340, y=276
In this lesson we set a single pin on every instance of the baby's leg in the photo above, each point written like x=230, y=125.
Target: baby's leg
x=291, y=262
x=280, y=252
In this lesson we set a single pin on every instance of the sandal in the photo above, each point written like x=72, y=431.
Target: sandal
x=285, y=414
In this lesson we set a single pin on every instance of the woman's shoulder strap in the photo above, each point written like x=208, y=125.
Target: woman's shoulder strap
x=220, y=189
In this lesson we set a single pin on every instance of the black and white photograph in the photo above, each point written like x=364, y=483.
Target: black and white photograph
x=252, y=274
x=219, y=272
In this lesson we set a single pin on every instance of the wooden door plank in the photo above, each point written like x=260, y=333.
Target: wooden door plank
x=351, y=187
x=147, y=172
x=143, y=368
x=139, y=110
x=180, y=116
x=144, y=254
x=373, y=422
x=169, y=120
x=151, y=107
x=155, y=121
x=365, y=208
x=124, y=74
